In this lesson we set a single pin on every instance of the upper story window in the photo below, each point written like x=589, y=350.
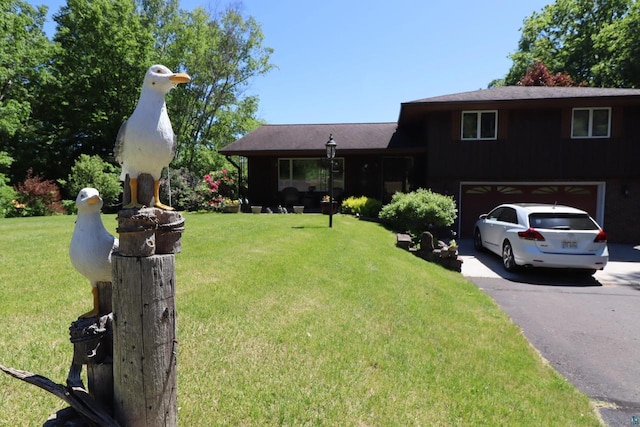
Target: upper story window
x=479, y=125
x=591, y=123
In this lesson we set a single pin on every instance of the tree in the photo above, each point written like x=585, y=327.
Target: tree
x=106, y=52
x=24, y=54
x=95, y=68
x=24, y=50
x=620, y=42
x=566, y=36
x=221, y=55
x=539, y=75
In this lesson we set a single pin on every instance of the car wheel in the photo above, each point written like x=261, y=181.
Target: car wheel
x=477, y=241
x=508, y=260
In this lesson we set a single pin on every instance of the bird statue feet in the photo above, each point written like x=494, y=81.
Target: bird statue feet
x=160, y=205
x=95, y=311
x=156, y=195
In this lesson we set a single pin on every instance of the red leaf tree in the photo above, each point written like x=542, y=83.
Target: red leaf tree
x=539, y=75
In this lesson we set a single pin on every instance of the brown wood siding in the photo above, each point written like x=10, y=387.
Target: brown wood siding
x=537, y=148
x=263, y=181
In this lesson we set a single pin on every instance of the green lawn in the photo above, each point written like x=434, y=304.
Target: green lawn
x=283, y=321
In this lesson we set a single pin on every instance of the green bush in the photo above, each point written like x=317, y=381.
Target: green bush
x=7, y=193
x=92, y=171
x=361, y=206
x=419, y=211
x=184, y=190
x=7, y=198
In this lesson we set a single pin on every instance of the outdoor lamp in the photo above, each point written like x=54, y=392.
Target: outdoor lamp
x=331, y=154
x=331, y=147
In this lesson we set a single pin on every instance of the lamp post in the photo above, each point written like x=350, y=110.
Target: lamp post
x=331, y=154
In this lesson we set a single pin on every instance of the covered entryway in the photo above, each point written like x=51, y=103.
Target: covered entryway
x=477, y=198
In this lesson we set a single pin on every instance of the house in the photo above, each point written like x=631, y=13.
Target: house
x=567, y=145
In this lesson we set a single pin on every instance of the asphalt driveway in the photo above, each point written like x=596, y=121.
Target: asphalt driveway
x=587, y=328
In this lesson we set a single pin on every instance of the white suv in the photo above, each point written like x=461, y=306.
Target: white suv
x=539, y=235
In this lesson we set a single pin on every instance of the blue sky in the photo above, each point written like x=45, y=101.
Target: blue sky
x=355, y=61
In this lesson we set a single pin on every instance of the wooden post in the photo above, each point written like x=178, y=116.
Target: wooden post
x=100, y=376
x=144, y=338
x=144, y=313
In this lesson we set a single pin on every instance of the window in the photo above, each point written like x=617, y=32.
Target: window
x=479, y=125
x=562, y=221
x=305, y=174
x=591, y=123
x=503, y=214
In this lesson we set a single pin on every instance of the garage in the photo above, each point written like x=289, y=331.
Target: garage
x=477, y=198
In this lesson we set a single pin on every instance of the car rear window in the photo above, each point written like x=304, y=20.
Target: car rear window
x=562, y=221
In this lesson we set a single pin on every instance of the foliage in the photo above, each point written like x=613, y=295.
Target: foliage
x=77, y=91
x=620, y=42
x=184, y=189
x=106, y=52
x=284, y=321
x=539, y=75
x=92, y=171
x=24, y=48
x=361, y=206
x=36, y=197
x=220, y=190
x=222, y=55
x=579, y=37
x=419, y=211
x=7, y=193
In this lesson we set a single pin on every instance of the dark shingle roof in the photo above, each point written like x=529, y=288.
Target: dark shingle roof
x=516, y=97
x=519, y=93
x=310, y=139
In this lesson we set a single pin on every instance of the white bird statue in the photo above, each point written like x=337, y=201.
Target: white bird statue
x=146, y=142
x=91, y=244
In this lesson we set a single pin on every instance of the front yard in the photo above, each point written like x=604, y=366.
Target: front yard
x=284, y=321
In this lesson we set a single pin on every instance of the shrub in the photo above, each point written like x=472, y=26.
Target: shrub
x=184, y=190
x=419, y=211
x=220, y=189
x=36, y=197
x=7, y=193
x=361, y=206
x=92, y=171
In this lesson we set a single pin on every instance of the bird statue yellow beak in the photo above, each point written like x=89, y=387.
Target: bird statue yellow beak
x=93, y=200
x=180, y=78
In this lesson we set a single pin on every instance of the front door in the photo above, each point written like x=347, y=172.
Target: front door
x=396, y=176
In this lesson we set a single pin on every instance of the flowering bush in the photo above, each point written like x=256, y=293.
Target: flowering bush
x=220, y=190
x=36, y=197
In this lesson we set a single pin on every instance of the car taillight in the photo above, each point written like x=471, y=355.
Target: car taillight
x=531, y=234
x=601, y=237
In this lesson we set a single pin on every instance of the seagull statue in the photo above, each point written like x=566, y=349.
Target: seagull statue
x=146, y=142
x=91, y=244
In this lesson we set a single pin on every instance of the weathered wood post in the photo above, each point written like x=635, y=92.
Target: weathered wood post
x=100, y=376
x=144, y=311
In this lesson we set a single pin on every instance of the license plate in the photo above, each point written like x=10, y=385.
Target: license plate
x=569, y=244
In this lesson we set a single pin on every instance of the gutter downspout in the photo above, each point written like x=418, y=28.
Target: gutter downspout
x=239, y=168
